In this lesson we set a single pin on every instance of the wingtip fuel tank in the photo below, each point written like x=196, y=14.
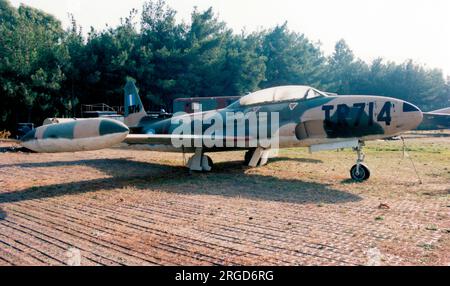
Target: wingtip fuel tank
x=77, y=135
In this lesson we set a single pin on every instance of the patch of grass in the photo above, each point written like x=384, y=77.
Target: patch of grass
x=427, y=246
x=379, y=218
x=432, y=228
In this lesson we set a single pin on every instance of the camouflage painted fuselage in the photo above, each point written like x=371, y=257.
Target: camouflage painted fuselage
x=305, y=122
x=291, y=116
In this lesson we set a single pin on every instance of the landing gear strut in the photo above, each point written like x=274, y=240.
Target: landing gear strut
x=256, y=157
x=248, y=157
x=360, y=172
x=200, y=162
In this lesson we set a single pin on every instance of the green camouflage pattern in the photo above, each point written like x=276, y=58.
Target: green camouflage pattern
x=307, y=121
x=83, y=134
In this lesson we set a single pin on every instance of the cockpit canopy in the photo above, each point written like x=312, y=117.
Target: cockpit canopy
x=282, y=93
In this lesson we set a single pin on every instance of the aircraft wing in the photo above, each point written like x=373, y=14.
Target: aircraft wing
x=136, y=139
x=167, y=139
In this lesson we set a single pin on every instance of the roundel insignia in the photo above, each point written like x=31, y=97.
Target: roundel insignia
x=293, y=105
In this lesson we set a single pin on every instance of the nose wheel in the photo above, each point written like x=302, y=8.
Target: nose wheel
x=360, y=172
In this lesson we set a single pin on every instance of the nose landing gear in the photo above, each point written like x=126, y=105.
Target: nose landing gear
x=360, y=172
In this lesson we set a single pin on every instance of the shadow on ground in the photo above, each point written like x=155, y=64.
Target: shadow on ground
x=2, y=214
x=15, y=150
x=299, y=160
x=229, y=179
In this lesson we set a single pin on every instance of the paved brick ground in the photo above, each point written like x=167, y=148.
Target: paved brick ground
x=121, y=207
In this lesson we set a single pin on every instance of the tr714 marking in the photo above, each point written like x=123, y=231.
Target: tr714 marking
x=343, y=112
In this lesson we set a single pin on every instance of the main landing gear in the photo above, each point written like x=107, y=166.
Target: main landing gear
x=256, y=157
x=200, y=162
x=248, y=157
x=360, y=172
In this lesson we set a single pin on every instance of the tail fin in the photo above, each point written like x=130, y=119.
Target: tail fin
x=134, y=109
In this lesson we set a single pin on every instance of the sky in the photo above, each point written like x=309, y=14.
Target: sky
x=396, y=30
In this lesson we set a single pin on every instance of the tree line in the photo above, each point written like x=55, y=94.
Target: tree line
x=47, y=71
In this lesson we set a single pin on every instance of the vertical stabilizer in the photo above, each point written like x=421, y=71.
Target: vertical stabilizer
x=134, y=109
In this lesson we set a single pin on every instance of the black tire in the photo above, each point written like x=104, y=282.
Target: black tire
x=210, y=162
x=363, y=175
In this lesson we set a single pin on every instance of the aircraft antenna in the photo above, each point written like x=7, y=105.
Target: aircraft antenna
x=405, y=154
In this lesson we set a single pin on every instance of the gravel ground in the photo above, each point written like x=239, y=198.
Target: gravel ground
x=130, y=207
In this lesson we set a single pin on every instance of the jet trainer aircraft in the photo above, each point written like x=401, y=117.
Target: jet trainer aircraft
x=279, y=117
